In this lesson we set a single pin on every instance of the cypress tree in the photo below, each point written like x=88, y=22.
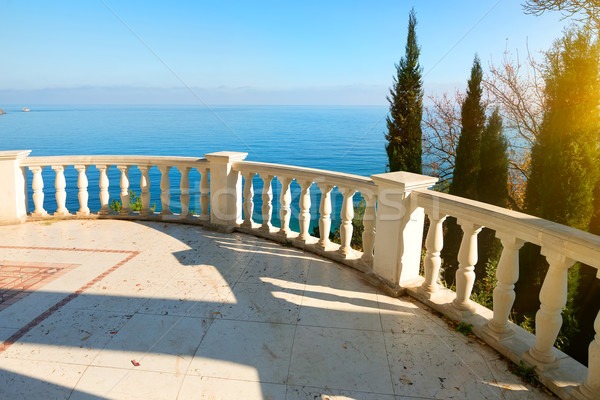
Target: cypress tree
x=467, y=164
x=406, y=108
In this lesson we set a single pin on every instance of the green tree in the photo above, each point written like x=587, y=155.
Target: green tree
x=564, y=163
x=406, y=108
x=467, y=163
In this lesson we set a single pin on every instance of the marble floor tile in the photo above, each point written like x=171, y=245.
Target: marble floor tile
x=126, y=384
x=205, y=388
x=280, y=267
x=157, y=343
x=263, y=302
x=347, y=359
x=243, y=350
x=27, y=379
x=313, y=393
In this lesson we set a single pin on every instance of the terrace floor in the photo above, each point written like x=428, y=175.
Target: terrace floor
x=206, y=315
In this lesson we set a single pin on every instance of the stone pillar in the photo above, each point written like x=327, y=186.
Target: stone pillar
x=399, y=226
x=13, y=187
x=225, y=188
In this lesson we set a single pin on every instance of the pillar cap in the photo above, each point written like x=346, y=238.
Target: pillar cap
x=225, y=156
x=14, y=154
x=407, y=181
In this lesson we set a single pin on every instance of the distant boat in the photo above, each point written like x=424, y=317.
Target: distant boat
x=25, y=109
x=2, y=111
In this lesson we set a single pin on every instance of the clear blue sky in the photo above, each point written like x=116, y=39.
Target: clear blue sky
x=248, y=52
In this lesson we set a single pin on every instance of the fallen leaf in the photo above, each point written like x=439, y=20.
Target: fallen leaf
x=344, y=347
x=113, y=332
x=135, y=363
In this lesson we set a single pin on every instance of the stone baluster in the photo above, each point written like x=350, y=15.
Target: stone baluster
x=432, y=261
x=368, y=236
x=507, y=274
x=325, y=214
x=38, y=191
x=125, y=208
x=165, y=187
x=248, y=199
x=184, y=198
x=591, y=387
x=548, y=319
x=61, y=195
x=82, y=184
x=467, y=258
x=145, y=186
x=304, y=217
x=103, y=183
x=347, y=214
x=285, y=210
x=204, y=194
x=267, y=198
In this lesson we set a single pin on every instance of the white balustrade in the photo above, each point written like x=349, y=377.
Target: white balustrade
x=467, y=258
x=145, y=186
x=347, y=214
x=124, y=183
x=432, y=260
x=507, y=274
x=591, y=387
x=548, y=319
x=248, y=199
x=304, y=217
x=103, y=183
x=184, y=198
x=37, y=185
x=61, y=195
x=285, y=211
x=368, y=236
x=165, y=187
x=267, y=198
x=204, y=193
x=82, y=184
x=325, y=214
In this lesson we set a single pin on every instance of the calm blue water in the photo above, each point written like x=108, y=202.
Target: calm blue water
x=339, y=138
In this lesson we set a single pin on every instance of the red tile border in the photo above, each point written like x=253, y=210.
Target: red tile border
x=24, y=330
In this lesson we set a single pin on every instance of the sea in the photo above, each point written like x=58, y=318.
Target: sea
x=347, y=139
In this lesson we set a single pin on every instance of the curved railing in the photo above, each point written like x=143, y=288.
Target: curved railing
x=395, y=208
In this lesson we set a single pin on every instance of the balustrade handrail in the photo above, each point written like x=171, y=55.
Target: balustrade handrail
x=360, y=183
x=574, y=243
x=131, y=160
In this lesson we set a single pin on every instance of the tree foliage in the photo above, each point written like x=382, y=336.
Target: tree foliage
x=492, y=181
x=406, y=108
x=586, y=11
x=467, y=165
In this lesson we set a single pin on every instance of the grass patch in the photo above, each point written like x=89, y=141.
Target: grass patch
x=465, y=329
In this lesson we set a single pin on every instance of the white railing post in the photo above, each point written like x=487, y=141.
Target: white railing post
x=61, y=195
x=285, y=211
x=548, y=319
x=399, y=226
x=507, y=274
x=145, y=186
x=83, y=196
x=325, y=214
x=38, y=191
x=267, y=198
x=103, y=183
x=204, y=193
x=225, y=188
x=125, y=208
x=248, y=199
x=304, y=217
x=13, y=178
x=432, y=261
x=368, y=236
x=590, y=389
x=184, y=198
x=347, y=214
x=165, y=190
x=467, y=258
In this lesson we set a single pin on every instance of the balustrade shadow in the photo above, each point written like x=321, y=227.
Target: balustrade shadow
x=283, y=274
